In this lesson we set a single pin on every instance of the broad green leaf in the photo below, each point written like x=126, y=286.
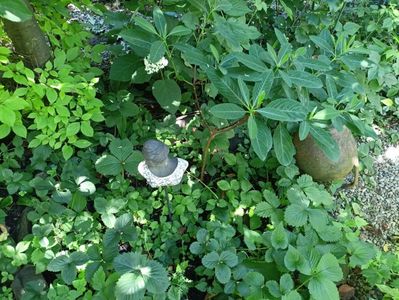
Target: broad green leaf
x=244, y=90
x=20, y=130
x=274, y=288
x=322, y=288
x=229, y=258
x=227, y=111
x=296, y=215
x=108, y=165
x=304, y=129
x=234, y=8
x=293, y=295
x=313, y=64
x=262, y=86
x=194, y=56
x=144, y=24
x=252, y=127
x=72, y=129
x=262, y=142
x=155, y=276
x=4, y=130
x=130, y=286
x=264, y=210
x=361, y=253
x=328, y=268
x=283, y=146
x=326, y=143
x=128, y=262
x=168, y=94
x=279, y=237
x=304, y=79
x=331, y=87
x=327, y=113
x=322, y=43
x=179, y=30
x=294, y=260
x=286, y=283
x=86, y=128
x=15, y=10
x=123, y=67
x=138, y=39
x=68, y=273
x=287, y=10
x=210, y=260
x=58, y=263
x=157, y=51
x=7, y=115
x=250, y=61
x=222, y=273
x=285, y=110
x=159, y=21
x=225, y=86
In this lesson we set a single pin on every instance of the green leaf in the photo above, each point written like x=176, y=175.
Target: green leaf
x=304, y=79
x=252, y=127
x=157, y=51
x=58, y=263
x=229, y=258
x=210, y=260
x=279, y=237
x=286, y=283
x=322, y=43
x=244, y=90
x=328, y=268
x=160, y=21
x=293, y=295
x=227, y=111
x=296, y=215
x=128, y=262
x=264, y=210
x=86, y=128
x=321, y=288
x=283, y=146
x=313, y=64
x=193, y=55
x=156, y=277
x=98, y=280
x=294, y=260
x=361, y=253
x=327, y=113
x=144, y=24
x=180, y=30
x=285, y=110
x=20, y=130
x=7, y=115
x=72, y=129
x=331, y=87
x=108, y=165
x=326, y=143
x=138, y=39
x=4, y=130
x=225, y=86
x=304, y=129
x=167, y=93
x=82, y=144
x=273, y=288
x=68, y=273
x=262, y=86
x=123, y=68
x=223, y=273
x=250, y=61
x=234, y=8
x=15, y=10
x=130, y=285
x=262, y=142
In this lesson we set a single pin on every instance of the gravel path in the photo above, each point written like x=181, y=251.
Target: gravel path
x=378, y=195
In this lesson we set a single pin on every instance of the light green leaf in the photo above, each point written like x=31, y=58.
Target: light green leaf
x=72, y=129
x=168, y=94
x=328, y=268
x=304, y=129
x=67, y=152
x=20, y=130
x=155, y=276
x=227, y=111
x=286, y=283
x=4, y=130
x=293, y=295
x=7, y=115
x=296, y=215
x=130, y=285
x=294, y=260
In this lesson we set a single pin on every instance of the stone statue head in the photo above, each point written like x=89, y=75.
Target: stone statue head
x=156, y=155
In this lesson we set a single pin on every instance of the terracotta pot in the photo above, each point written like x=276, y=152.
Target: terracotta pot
x=311, y=159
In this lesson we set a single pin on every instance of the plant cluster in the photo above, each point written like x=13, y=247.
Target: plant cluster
x=225, y=83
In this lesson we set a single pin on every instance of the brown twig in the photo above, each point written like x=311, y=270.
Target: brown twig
x=213, y=134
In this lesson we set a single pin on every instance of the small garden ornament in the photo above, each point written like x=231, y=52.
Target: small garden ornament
x=159, y=169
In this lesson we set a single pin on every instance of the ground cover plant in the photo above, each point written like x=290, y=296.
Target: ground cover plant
x=226, y=84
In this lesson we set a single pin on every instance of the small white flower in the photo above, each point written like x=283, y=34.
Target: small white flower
x=151, y=68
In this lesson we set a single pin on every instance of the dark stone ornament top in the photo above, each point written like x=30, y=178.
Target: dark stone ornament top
x=158, y=168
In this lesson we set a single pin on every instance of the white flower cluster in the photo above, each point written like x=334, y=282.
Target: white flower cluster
x=151, y=68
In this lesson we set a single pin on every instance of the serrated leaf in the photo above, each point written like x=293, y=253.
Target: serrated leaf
x=321, y=288
x=68, y=273
x=328, y=268
x=108, y=165
x=294, y=260
x=130, y=285
x=279, y=237
x=361, y=253
x=296, y=215
x=222, y=273
x=264, y=210
x=155, y=276
x=58, y=263
x=128, y=262
x=210, y=260
x=286, y=283
x=229, y=258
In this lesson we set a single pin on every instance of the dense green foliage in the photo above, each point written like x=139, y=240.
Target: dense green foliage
x=225, y=83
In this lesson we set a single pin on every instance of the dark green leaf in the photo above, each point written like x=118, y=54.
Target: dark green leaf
x=313, y=64
x=279, y=237
x=157, y=51
x=160, y=21
x=263, y=86
x=304, y=79
x=225, y=86
x=123, y=67
x=227, y=111
x=262, y=142
x=326, y=143
x=283, y=146
x=168, y=94
x=284, y=110
x=222, y=273
x=15, y=10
